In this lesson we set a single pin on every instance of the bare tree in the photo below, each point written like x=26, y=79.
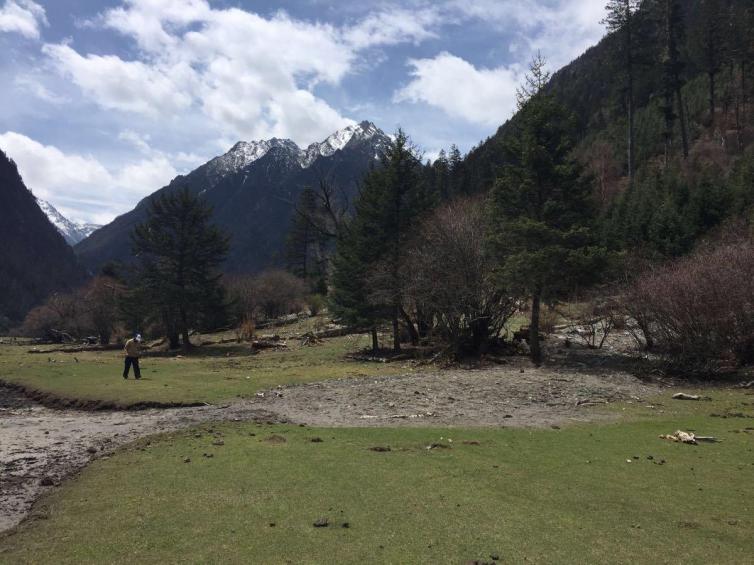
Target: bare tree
x=451, y=276
x=700, y=309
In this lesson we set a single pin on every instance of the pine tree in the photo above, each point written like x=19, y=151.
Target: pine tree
x=359, y=247
x=456, y=171
x=708, y=44
x=542, y=210
x=672, y=33
x=367, y=278
x=621, y=19
x=181, y=253
x=305, y=253
x=441, y=168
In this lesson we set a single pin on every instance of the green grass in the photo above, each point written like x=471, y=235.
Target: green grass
x=537, y=496
x=212, y=374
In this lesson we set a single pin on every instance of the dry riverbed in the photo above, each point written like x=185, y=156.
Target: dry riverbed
x=39, y=446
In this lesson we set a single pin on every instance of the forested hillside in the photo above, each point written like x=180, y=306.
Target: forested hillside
x=35, y=258
x=681, y=75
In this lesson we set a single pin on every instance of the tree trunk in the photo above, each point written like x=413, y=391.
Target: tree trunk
x=375, y=341
x=743, y=91
x=711, y=75
x=630, y=133
x=630, y=92
x=410, y=326
x=480, y=335
x=396, y=330
x=185, y=330
x=534, y=346
x=682, y=119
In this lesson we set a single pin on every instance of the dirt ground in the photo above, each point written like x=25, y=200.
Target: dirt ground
x=515, y=394
x=40, y=446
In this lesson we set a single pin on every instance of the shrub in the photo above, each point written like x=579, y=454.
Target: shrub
x=316, y=303
x=700, y=310
x=271, y=294
x=451, y=277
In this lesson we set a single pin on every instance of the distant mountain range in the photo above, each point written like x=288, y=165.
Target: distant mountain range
x=253, y=189
x=34, y=259
x=72, y=232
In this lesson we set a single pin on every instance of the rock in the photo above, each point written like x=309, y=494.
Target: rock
x=438, y=446
x=684, y=396
x=345, y=525
x=91, y=449
x=380, y=448
x=321, y=523
x=47, y=481
x=275, y=439
x=218, y=442
x=208, y=455
x=471, y=442
x=316, y=440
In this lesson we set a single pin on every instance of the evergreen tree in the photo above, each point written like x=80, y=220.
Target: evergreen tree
x=621, y=19
x=305, y=252
x=441, y=168
x=181, y=253
x=367, y=276
x=672, y=34
x=708, y=44
x=741, y=49
x=541, y=211
x=457, y=172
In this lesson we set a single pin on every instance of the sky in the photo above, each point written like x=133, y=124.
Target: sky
x=104, y=102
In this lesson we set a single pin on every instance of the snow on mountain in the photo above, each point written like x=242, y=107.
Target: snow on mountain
x=244, y=153
x=72, y=232
x=338, y=140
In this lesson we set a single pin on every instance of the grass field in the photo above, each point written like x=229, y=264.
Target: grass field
x=212, y=374
x=536, y=496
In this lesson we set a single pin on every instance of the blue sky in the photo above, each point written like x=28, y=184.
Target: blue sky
x=103, y=102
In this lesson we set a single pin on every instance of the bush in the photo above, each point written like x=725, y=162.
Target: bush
x=270, y=294
x=316, y=303
x=700, y=310
x=451, y=278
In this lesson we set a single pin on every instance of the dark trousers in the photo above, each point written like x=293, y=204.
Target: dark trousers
x=135, y=362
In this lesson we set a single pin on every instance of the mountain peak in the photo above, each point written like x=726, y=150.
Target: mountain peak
x=244, y=153
x=72, y=232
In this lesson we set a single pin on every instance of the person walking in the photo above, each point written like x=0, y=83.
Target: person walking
x=132, y=349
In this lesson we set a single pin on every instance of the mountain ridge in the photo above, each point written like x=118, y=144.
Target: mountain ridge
x=72, y=232
x=253, y=188
x=35, y=258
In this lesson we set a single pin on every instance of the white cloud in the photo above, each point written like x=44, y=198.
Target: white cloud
x=249, y=76
x=130, y=86
x=482, y=96
x=137, y=140
x=393, y=26
x=561, y=29
x=22, y=16
x=80, y=186
x=36, y=88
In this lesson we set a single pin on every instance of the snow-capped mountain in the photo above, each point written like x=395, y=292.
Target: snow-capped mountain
x=253, y=189
x=72, y=232
x=244, y=153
